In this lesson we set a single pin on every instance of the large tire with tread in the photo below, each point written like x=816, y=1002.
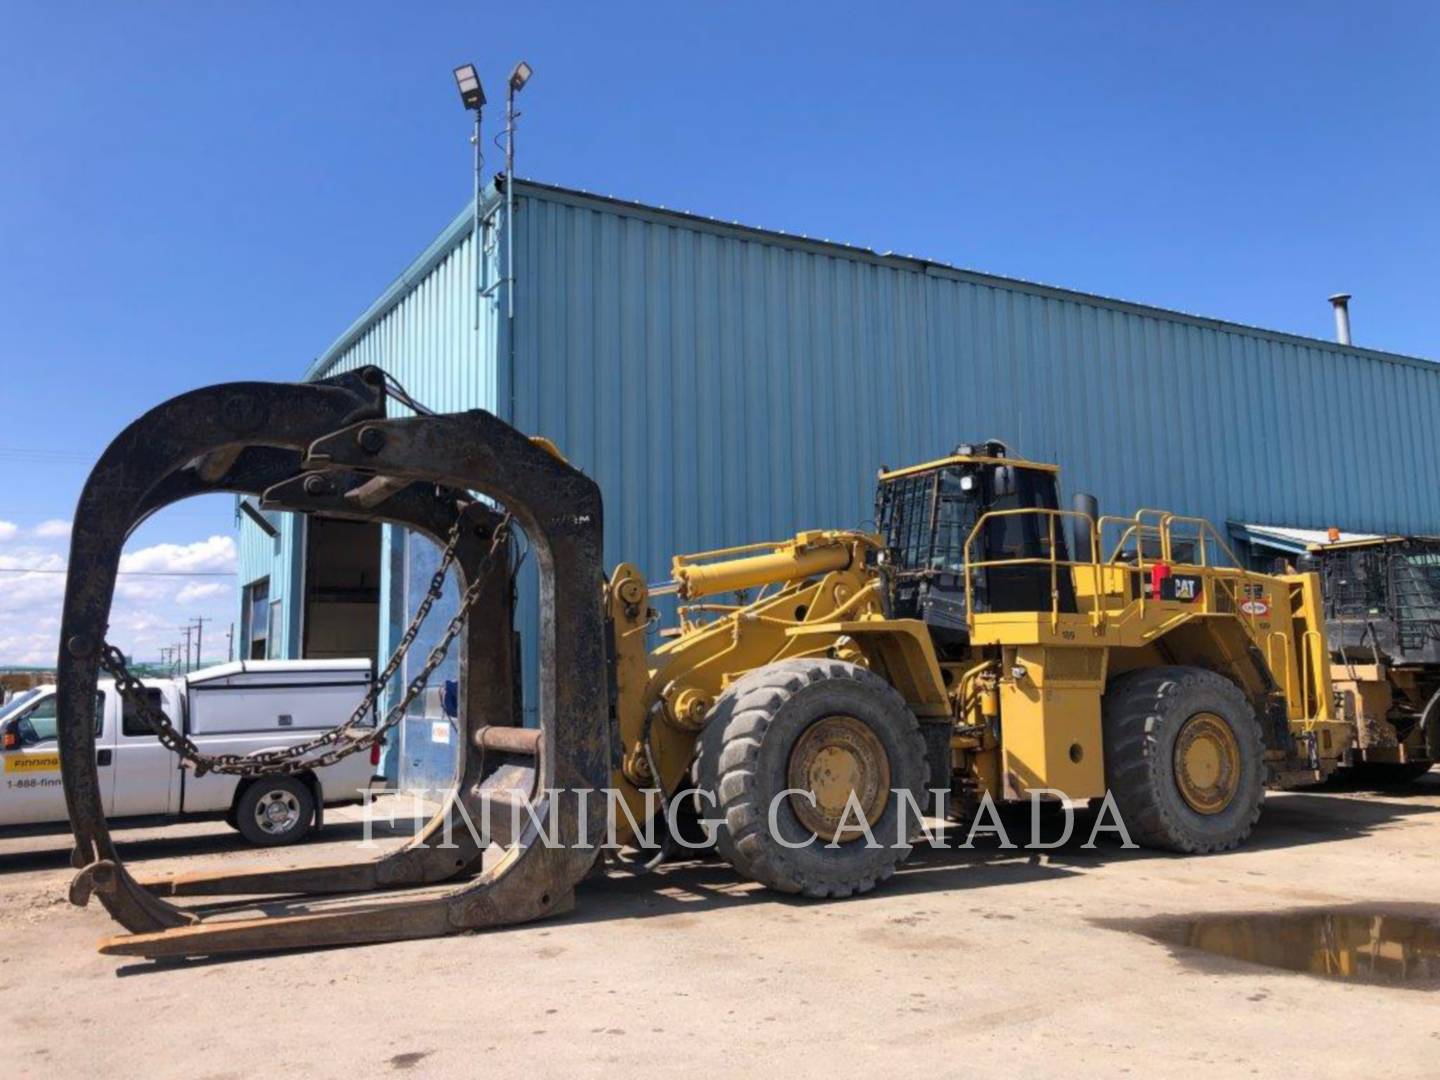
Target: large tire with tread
x=1144, y=713
x=743, y=762
x=275, y=810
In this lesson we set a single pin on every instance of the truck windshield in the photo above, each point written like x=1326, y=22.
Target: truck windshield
x=10, y=708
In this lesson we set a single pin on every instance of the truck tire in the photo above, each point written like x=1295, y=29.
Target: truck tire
x=275, y=810
x=831, y=729
x=1184, y=759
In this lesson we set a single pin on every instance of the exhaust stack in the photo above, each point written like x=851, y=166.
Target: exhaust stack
x=1341, y=302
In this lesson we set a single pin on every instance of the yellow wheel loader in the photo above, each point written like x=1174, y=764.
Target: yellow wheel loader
x=1382, y=610
x=814, y=693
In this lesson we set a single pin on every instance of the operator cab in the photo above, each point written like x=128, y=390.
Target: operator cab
x=1382, y=597
x=926, y=513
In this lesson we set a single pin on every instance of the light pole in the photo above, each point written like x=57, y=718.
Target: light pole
x=472, y=96
x=518, y=78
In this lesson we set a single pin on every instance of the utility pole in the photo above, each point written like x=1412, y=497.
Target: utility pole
x=200, y=622
x=187, y=631
x=230, y=642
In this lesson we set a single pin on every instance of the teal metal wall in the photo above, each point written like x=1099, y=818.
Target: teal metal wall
x=726, y=384
x=280, y=560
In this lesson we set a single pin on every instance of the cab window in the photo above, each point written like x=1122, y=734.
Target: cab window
x=132, y=723
x=39, y=724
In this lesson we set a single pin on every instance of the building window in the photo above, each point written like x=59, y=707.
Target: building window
x=273, y=634
x=255, y=619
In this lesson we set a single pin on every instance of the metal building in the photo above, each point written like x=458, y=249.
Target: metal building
x=725, y=383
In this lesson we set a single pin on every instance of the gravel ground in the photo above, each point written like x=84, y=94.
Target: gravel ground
x=981, y=962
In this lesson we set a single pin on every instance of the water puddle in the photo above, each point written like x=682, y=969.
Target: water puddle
x=1351, y=945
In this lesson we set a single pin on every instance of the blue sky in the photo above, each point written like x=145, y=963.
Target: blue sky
x=198, y=192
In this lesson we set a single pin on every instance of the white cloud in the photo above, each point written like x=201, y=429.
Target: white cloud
x=215, y=554
x=54, y=529
x=8, y=530
x=195, y=591
x=147, y=611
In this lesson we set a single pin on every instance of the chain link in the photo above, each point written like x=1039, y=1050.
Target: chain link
x=345, y=739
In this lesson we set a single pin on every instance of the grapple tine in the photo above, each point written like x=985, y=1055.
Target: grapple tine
x=248, y=437
x=140, y=472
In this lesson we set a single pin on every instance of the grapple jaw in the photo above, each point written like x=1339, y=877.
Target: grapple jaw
x=327, y=448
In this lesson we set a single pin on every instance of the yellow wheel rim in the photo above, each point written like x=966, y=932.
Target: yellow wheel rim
x=1207, y=763
x=834, y=757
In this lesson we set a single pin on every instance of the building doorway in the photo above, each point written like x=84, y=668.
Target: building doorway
x=342, y=589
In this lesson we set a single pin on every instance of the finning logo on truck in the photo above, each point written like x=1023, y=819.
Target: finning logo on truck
x=29, y=763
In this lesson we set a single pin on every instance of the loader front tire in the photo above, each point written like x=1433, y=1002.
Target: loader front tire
x=1184, y=759
x=784, y=753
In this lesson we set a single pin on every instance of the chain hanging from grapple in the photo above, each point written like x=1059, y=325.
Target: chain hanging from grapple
x=344, y=739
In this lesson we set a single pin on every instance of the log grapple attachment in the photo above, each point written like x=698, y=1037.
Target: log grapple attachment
x=461, y=479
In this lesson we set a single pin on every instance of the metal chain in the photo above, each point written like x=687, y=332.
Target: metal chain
x=345, y=739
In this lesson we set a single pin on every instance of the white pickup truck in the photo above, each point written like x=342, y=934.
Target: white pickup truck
x=235, y=708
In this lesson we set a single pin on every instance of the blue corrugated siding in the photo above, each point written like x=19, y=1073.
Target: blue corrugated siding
x=725, y=384
x=279, y=559
x=725, y=387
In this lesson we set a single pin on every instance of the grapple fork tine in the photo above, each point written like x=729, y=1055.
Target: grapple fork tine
x=338, y=426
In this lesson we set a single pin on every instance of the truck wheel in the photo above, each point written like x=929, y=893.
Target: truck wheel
x=811, y=738
x=1184, y=759
x=275, y=810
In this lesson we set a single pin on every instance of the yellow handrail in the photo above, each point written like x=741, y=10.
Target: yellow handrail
x=1054, y=563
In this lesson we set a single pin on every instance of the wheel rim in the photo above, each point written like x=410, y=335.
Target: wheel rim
x=834, y=757
x=1207, y=763
x=277, y=812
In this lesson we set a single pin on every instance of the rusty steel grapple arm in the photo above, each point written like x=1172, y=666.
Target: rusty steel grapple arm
x=328, y=448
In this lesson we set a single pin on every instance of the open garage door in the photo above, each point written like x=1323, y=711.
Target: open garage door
x=342, y=589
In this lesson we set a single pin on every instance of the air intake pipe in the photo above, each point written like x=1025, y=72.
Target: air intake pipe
x=1080, y=545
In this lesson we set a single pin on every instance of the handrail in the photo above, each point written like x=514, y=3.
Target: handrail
x=1299, y=675
x=1288, y=657
x=1054, y=563
x=1306, y=673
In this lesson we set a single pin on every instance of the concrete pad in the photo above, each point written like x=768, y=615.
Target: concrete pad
x=983, y=962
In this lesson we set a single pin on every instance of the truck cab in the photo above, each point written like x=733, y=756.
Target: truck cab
x=242, y=707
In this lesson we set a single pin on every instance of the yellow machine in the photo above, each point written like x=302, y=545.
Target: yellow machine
x=816, y=695
x=1382, y=619
x=965, y=647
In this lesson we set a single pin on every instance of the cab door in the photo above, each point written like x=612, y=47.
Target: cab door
x=31, y=792
x=147, y=776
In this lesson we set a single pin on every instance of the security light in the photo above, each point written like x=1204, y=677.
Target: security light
x=467, y=79
x=520, y=76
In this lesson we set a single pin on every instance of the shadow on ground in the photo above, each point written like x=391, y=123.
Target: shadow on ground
x=56, y=853
x=700, y=884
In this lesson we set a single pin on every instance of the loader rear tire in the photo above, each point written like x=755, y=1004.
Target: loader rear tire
x=819, y=719
x=1184, y=759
